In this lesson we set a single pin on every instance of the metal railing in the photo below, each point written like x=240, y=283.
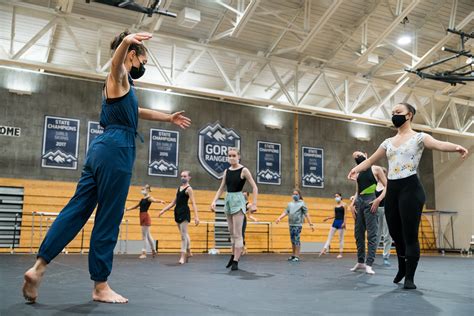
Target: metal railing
x=48, y=217
x=268, y=232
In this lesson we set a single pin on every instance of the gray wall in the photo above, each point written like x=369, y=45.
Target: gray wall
x=80, y=99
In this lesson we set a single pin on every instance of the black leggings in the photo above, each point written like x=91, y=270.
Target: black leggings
x=404, y=203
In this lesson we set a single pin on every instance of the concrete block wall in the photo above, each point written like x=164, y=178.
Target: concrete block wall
x=80, y=99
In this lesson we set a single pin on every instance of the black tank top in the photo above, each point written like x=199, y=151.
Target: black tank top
x=339, y=210
x=144, y=205
x=181, y=211
x=233, y=180
x=377, y=194
x=182, y=200
x=366, y=182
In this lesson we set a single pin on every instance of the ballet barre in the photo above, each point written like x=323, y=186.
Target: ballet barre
x=49, y=216
x=440, y=236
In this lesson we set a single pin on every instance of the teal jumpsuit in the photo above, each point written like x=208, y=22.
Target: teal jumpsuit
x=104, y=183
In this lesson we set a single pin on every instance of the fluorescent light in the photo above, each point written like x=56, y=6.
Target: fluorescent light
x=363, y=138
x=404, y=40
x=19, y=92
x=273, y=126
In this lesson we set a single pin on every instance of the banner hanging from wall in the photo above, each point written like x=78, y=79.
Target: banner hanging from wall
x=214, y=142
x=93, y=130
x=60, y=143
x=312, y=167
x=163, y=153
x=268, y=163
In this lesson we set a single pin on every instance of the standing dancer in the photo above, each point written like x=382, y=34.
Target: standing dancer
x=297, y=212
x=338, y=224
x=235, y=206
x=405, y=196
x=383, y=228
x=364, y=208
x=105, y=178
x=182, y=214
x=145, y=220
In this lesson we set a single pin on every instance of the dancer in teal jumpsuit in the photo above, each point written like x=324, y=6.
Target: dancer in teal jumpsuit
x=106, y=175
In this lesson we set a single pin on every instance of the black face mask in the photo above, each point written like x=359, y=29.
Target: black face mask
x=398, y=119
x=359, y=159
x=135, y=72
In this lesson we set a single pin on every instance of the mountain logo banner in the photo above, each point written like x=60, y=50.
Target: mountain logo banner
x=60, y=143
x=214, y=142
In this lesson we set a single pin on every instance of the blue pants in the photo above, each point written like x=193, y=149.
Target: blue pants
x=104, y=183
x=295, y=232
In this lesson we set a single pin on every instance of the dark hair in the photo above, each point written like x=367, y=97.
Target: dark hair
x=139, y=49
x=299, y=192
x=338, y=193
x=410, y=109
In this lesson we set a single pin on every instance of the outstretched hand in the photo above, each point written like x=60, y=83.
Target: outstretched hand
x=137, y=38
x=179, y=119
x=462, y=151
x=352, y=175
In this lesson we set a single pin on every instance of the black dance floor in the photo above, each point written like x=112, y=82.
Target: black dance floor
x=265, y=285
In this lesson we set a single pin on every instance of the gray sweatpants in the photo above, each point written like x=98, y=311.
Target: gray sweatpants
x=382, y=231
x=365, y=221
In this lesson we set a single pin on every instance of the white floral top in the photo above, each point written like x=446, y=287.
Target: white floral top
x=404, y=159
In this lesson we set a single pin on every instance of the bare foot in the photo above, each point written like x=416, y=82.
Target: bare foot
x=33, y=279
x=104, y=294
x=189, y=253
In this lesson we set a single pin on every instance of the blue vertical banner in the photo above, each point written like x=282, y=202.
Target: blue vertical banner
x=60, y=143
x=163, y=153
x=214, y=143
x=93, y=130
x=268, y=163
x=312, y=167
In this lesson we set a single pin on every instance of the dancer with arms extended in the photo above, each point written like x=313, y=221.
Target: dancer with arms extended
x=405, y=196
x=106, y=174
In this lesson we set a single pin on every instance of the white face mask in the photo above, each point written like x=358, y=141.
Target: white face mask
x=144, y=192
x=338, y=199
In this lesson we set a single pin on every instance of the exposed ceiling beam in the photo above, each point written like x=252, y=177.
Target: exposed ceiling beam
x=389, y=29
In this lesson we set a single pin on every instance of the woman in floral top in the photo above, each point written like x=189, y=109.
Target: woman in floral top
x=405, y=196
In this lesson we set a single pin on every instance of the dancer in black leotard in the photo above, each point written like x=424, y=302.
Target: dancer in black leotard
x=182, y=214
x=338, y=224
x=145, y=219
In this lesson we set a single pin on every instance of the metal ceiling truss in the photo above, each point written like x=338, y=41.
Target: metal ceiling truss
x=290, y=92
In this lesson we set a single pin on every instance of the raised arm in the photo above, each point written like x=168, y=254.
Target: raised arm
x=118, y=72
x=176, y=118
x=132, y=208
x=163, y=211
x=152, y=199
x=190, y=193
x=248, y=176
x=366, y=164
x=432, y=143
x=219, y=192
